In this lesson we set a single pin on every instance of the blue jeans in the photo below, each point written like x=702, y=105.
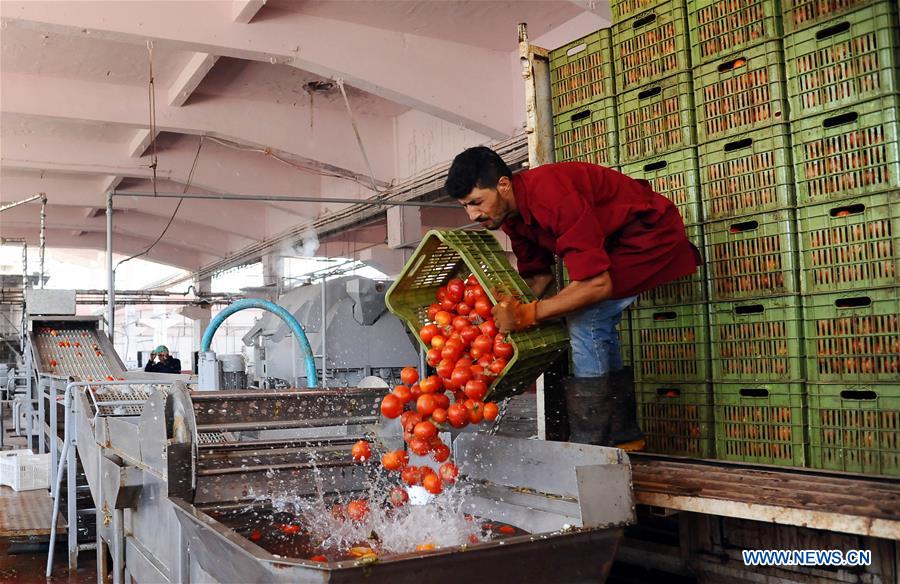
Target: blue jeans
x=595, y=342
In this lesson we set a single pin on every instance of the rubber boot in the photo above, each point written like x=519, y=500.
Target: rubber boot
x=588, y=406
x=625, y=433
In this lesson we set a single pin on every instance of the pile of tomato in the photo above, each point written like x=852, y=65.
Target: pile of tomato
x=467, y=352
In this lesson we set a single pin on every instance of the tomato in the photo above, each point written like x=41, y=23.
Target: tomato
x=357, y=510
x=472, y=280
x=414, y=392
x=255, y=535
x=412, y=475
x=445, y=367
x=477, y=373
x=443, y=318
x=398, y=497
x=448, y=472
x=290, y=529
x=485, y=362
x=439, y=415
x=452, y=352
x=498, y=366
x=448, y=305
x=419, y=446
x=391, y=407
x=483, y=308
x=476, y=390
x=491, y=411
x=461, y=376
x=392, y=460
x=441, y=453
x=433, y=357
x=430, y=384
x=409, y=375
x=507, y=529
x=476, y=413
x=464, y=361
x=441, y=401
x=459, y=323
x=469, y=334
x=456, y=287
x=428, y=332
x=361, y=451
x=489, y=328
x=403, y=393
x=483, y=344
x=425, y=430
x=432, y=484
x=437, y=341
x=432, y=310
x=457, y=415
x=409, y=420
x=319, y=558
x=425, y=405
x=463, y=309
x=503, y=350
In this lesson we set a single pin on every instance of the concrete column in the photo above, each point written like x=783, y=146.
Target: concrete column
x=404, y=227
x=200, y=315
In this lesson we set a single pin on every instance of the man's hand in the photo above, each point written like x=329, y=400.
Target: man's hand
x=152, y=356
x=511, y=315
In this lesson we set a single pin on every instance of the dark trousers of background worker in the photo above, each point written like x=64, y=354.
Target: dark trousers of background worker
x=597, y=404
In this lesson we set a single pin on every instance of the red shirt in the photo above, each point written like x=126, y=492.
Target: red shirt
x=597, y=219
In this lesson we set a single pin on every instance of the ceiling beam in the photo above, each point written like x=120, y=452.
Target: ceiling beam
x=279, y=128
x=408, y=69
x=243, y=11
x=190, y=77
x=141, y=141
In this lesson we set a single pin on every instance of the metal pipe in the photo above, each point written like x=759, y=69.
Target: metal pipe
x=324, y=348
x=22, y=202
x=43, y=238
x=110, y=273
x=287, y=199
x=24, y=266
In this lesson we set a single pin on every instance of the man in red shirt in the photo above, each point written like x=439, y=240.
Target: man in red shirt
x=616, y=237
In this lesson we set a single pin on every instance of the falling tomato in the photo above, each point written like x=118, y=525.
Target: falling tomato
x=357, y=510
x=409, y=375
x=361, y=451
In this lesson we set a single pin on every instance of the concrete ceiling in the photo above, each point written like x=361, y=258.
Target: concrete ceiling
x=424, y=79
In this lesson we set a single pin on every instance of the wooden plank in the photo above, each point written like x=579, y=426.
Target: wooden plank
x=26, y=513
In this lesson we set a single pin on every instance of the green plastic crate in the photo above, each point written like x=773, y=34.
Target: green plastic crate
x=761, y=423
x=651, y=46
x=674, y=176
x=685, y=290
x=622, y=10
x=800, y=14
x=752, y=257
x=443, y=255
x=757, y=340
x=581, y=72
x=843, y=61
x=671, y=343
x=848, y=152
x=855, y=428
x=656, y=119
x=853, y=337
x=740, y=92
x=625, y=344
x=852, y=244
x=677, y=418
x=587, y=134
x=721, y=27
x=746, y=174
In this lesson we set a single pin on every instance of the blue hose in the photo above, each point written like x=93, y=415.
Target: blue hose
x=311, y=380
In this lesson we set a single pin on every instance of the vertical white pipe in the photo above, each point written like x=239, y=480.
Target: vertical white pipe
x=324, y=326
x=110, y=274
x=43, y=236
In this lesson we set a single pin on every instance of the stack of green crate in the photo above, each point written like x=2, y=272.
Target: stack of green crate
x=747, y=200
x=584, y=107
x=842, y=71
x=657, y=143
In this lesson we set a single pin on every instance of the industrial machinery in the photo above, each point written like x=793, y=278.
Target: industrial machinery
x=182, y=487
x=360, y=337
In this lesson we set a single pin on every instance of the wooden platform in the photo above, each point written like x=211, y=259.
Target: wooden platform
x=804, y=497
x=27, y=513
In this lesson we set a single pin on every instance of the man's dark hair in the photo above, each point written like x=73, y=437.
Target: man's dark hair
x=475, y=167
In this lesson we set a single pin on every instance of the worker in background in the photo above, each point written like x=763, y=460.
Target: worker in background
x=166, y=363
x=616, y=237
